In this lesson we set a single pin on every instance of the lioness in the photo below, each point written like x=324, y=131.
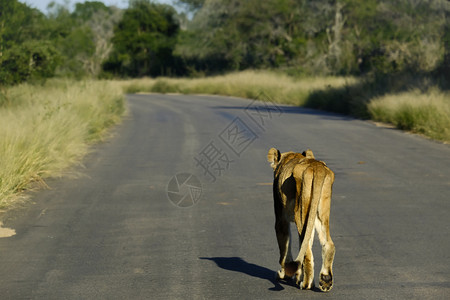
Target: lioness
x=302, y=194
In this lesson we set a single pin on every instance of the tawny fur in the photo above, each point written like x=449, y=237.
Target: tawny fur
x=302, y=190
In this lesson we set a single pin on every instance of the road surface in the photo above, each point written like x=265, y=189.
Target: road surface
x=178, y=205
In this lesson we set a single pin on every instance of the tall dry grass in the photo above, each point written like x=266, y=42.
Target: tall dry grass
x=421, y=112
x=45, y=129
x=246, y=84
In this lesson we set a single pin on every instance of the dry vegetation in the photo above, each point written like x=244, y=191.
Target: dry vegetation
x=247, y=84
x=426, y=113
x=45, y=129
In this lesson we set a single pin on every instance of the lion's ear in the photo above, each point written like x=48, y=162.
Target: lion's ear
x=273, y=157
x=308, y=154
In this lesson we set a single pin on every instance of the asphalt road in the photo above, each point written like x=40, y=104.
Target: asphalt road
x=178, y=205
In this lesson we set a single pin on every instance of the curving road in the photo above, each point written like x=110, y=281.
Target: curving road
x=178, y=205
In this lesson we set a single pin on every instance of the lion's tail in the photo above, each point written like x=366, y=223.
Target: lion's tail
x=316, y=176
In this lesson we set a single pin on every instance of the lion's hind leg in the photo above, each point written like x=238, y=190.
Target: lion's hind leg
x=283, y=238
x=308, y=267
x=328, y=250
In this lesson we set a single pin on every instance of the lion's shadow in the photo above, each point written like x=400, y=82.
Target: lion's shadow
x=237, y=264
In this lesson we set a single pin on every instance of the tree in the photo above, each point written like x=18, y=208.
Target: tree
x=192, y=5
x=316, y=37
x=99, y=20
x=83, y=36
x=24, y=51
x=143, y=41
x=33, y=60
x=235, y=34
x=444, y=68
x=395, y=36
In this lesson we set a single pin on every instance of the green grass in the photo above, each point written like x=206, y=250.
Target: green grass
x=45, y=129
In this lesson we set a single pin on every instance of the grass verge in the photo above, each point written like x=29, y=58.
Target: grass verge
x=424, y=113
x=45, y=129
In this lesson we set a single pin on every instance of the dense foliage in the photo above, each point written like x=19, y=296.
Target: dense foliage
x=325, y=36
x=144, y=40
x=321, y=37
x=35, y=46
x=24, y=51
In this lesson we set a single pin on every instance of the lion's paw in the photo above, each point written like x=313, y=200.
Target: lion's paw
x=305, y=286
x=280, y=275
x=326, y=282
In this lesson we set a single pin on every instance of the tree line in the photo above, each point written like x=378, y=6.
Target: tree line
x=301, y=37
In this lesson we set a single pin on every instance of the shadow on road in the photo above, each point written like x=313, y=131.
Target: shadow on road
x=267, y=112
x=237, y=264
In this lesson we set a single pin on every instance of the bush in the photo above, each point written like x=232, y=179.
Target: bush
x=32, y=60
